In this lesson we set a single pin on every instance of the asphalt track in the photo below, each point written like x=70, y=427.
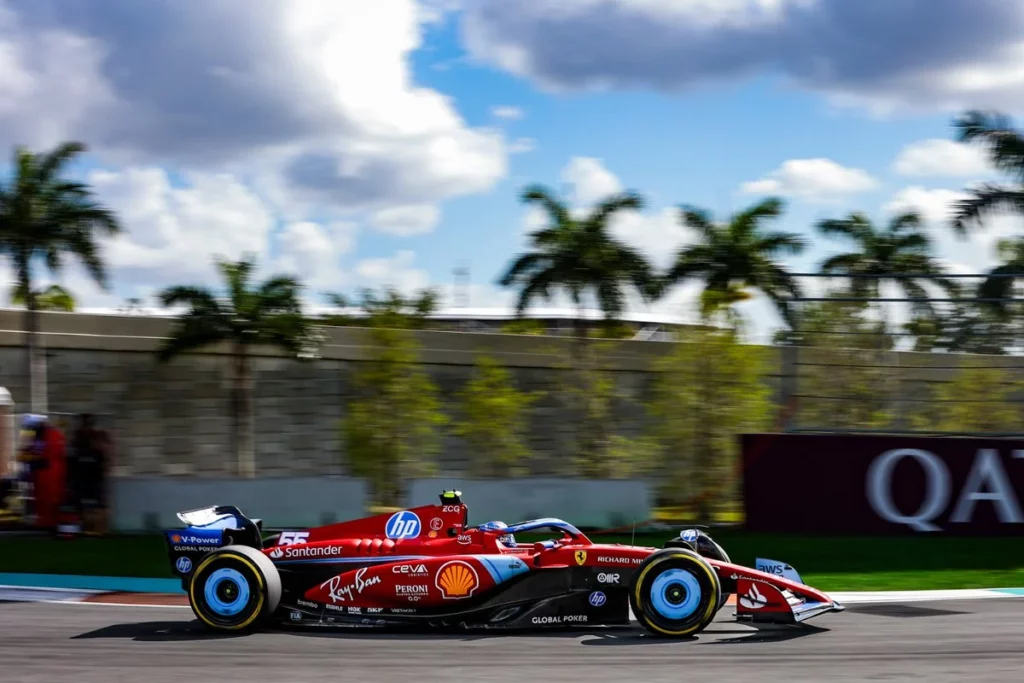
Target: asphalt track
x=963, y=640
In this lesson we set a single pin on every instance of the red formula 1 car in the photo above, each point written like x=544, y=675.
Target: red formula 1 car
x=427, y=566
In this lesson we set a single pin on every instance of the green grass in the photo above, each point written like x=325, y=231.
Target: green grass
x=830, y=563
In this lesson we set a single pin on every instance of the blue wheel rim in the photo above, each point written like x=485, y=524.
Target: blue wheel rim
x=226, y=592
x=675, y=594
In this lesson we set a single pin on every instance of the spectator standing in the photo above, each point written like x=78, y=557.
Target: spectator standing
x=45, y=456
x=91, y=447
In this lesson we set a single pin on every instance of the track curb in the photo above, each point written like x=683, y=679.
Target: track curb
x=133, y=591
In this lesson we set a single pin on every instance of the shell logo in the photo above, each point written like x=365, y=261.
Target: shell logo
x=175, y=538
x=457, y=579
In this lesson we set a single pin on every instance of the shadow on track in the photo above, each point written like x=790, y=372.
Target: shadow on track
x=164, y=631
x=158, y=631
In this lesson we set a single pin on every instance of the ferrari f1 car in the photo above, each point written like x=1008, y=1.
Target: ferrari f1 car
x=428, y=566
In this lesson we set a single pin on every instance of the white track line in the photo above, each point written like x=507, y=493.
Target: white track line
x=921, y=596
x=68, y=596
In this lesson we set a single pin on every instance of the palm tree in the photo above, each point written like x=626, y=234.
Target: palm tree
x=736, y=256
x=46, y=216
x=390, y=309
x=1005, y=147
x=269, y=314
x=579, y=256
x=888, y=254
x=998, y=287
x=53, y=298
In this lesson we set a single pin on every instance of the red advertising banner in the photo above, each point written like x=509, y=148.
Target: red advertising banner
x=856, y=484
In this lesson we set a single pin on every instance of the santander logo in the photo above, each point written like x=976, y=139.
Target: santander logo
x=753, y=599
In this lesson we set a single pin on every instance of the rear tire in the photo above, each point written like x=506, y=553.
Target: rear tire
x=675, y=593
x=234, y=588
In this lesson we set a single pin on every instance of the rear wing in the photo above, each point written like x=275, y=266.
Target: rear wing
x=206, y=529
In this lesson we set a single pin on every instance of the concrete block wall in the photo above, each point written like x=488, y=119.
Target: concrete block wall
x=173, y=419
x=150, y=503
x=602, y=504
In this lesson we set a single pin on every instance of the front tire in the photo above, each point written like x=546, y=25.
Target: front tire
x=234, y=588
x=675, y=593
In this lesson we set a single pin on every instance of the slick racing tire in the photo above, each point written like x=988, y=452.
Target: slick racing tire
x=234, y=588
x=675, y=593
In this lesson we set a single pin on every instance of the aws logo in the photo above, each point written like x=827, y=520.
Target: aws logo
x=457, y=579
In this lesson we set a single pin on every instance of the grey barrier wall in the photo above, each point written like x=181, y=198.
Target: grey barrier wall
x=143, y=504
x=595, y=503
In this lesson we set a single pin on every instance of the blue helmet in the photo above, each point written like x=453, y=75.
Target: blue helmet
x=32, y=421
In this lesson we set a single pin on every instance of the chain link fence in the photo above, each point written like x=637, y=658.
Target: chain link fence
x=947, y=362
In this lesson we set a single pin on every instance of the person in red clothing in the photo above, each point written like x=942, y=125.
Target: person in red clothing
x=46, y=460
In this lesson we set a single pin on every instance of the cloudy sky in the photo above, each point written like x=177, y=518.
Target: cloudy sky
x=365, y=143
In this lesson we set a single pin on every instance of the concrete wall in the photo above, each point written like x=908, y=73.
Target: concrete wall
x=151, y=503
x=140, y=504
x=585, y=503
x=173, y=419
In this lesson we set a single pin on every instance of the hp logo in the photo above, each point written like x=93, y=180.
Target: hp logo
x=403, y=524
x=183, y=565
x=597, y=598
x=690, y=535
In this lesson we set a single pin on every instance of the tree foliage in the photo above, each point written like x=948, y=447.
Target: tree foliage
x=580, y=257
x=391, y=429
x=882, y=255
x=842, y=379
x=495, y=420
x=708, y=390
x=737, y=255
x=53, y=298
x=976, y=399
x=1005, y=147
x=44, y=216
x=244, y=316
x=599, y=412
x=388, y=308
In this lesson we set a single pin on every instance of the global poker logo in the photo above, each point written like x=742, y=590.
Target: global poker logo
x=404, y=524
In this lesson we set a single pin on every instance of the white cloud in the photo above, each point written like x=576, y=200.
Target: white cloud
x=317, y=95
x=976, y=252
x=522, y=146
x=407, y=220
x=935, y=206
x=507, y=113
x=657, y=234
x=959, y=54
x=397, y=271
x=312, y=252
x=812, y=179
x=937, y=157
x=172, y=232
x=589, y=180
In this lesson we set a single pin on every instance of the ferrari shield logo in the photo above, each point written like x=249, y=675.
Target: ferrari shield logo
x=581, y=557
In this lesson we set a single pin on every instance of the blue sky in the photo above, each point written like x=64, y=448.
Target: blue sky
x=361, y=145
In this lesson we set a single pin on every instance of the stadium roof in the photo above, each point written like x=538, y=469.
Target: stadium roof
x=475, y=313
